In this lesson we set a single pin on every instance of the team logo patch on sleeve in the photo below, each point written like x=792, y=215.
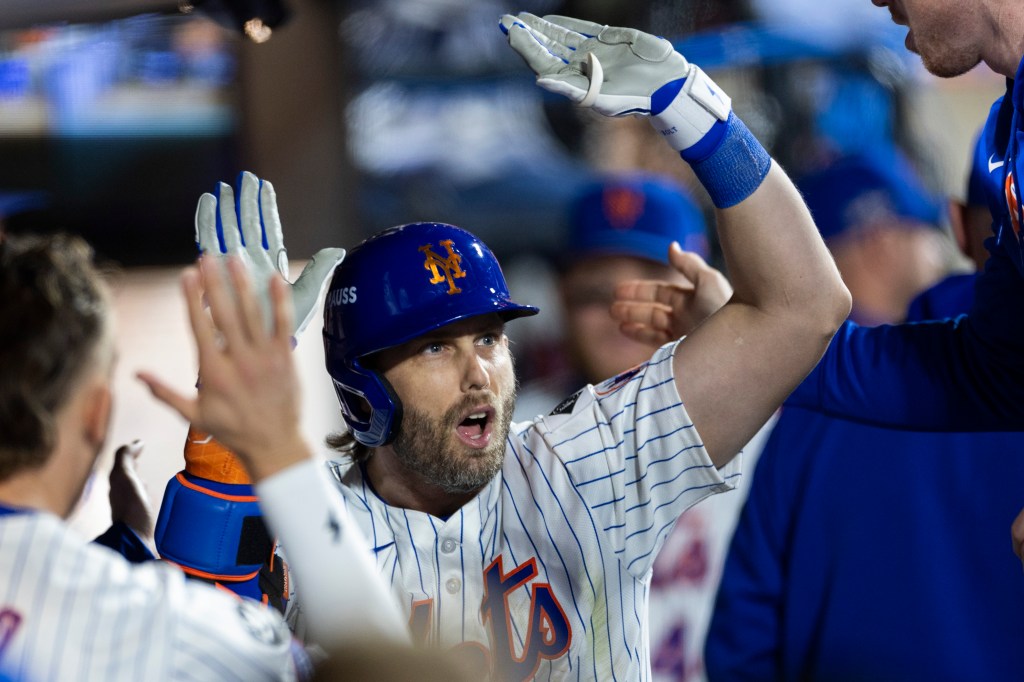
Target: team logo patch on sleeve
x=260, y=623
x=565, y=407
x=615, y=383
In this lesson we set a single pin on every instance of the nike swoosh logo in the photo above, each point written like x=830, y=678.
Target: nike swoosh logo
x=992, y=165
x=381, y=548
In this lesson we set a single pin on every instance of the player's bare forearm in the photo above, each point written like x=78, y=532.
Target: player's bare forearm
x=788, y=301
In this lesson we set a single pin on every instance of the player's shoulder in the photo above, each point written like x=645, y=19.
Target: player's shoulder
x=68, y=561
x=227, y=636
x=193, y=621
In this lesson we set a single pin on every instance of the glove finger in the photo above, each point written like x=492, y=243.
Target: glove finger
x=249, y=216
x=536, y=55
x=206, y=225
x=227, y=221
x=556, y=48
x=587, y=29
x=644, y=45
x=273, y=234
x=574, y=87
x=570, y=38
x=307, y=288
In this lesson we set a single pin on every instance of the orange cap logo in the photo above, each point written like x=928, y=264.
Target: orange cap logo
x=443, y=269
x=622, y=207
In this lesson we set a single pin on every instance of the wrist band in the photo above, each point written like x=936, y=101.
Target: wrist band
x=729, y=162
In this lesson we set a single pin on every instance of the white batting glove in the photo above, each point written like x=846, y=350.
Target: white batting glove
x=250, y=226
x=619, y=72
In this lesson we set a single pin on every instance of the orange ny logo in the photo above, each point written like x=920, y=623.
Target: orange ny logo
x=444, y=269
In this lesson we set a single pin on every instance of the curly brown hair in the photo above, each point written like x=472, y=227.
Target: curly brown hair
x=344, y=443
x=54, y=305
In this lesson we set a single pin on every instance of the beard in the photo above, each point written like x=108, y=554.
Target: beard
x=427, y=447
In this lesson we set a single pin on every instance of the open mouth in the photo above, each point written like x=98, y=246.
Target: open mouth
x=475, y=428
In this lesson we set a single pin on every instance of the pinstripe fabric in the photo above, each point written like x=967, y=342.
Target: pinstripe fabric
x=87, y=614
x=588, y=497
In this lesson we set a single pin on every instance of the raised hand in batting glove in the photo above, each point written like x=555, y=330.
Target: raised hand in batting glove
x=247, y=223
x=210, y=522
x=620, y=72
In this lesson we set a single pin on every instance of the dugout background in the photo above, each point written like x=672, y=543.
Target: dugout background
x=370, y=113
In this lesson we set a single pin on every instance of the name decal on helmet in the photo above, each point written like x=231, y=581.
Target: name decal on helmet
x=342, y=296
x=444, y=269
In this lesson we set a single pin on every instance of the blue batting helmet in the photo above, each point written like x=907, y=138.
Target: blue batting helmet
x=395, y=286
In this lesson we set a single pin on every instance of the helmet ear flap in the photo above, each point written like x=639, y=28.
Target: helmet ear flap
x=369, y=404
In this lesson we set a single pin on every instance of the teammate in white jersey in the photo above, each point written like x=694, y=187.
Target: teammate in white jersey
x=70, y=610
x=528, y=547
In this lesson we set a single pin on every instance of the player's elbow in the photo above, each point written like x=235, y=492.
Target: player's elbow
x=836, y=303
x=822, y=308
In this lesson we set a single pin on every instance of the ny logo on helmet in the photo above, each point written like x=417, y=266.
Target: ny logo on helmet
x=444, y=269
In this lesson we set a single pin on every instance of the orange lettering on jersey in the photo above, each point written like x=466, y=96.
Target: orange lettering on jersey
x=1013, y=201
x=444, y=269
x=547, y=634
x=420, y=618
x=10, y=621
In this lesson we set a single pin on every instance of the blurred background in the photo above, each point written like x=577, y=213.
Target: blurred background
x=115, y=116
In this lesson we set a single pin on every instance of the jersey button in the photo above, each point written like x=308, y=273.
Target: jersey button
x=453, y=585
x=448, y=546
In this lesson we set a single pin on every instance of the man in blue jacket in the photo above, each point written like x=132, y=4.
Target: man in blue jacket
x=966, y=373
x=866, y=553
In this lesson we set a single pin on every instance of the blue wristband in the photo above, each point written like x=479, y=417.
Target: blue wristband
x=734, y=167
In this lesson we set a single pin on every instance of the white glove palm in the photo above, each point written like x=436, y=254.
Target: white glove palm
x=619, y=72
x=250, y=226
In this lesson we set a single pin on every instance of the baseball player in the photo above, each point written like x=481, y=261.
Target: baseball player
x=619, y=229
x=528, y=547
x=71, y=610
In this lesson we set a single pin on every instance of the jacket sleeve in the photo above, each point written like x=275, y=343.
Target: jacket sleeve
x=959, y=374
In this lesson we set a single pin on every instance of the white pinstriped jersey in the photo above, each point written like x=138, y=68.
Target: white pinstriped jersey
x=545, y=573
x=71, y=610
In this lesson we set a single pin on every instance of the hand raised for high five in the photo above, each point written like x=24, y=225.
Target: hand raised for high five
x=622, y=72
x=656, y=312
x=249, y=396
x=248, y=224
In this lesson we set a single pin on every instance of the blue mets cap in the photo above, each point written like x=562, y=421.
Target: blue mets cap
x=634, y=215
x=880, y=186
